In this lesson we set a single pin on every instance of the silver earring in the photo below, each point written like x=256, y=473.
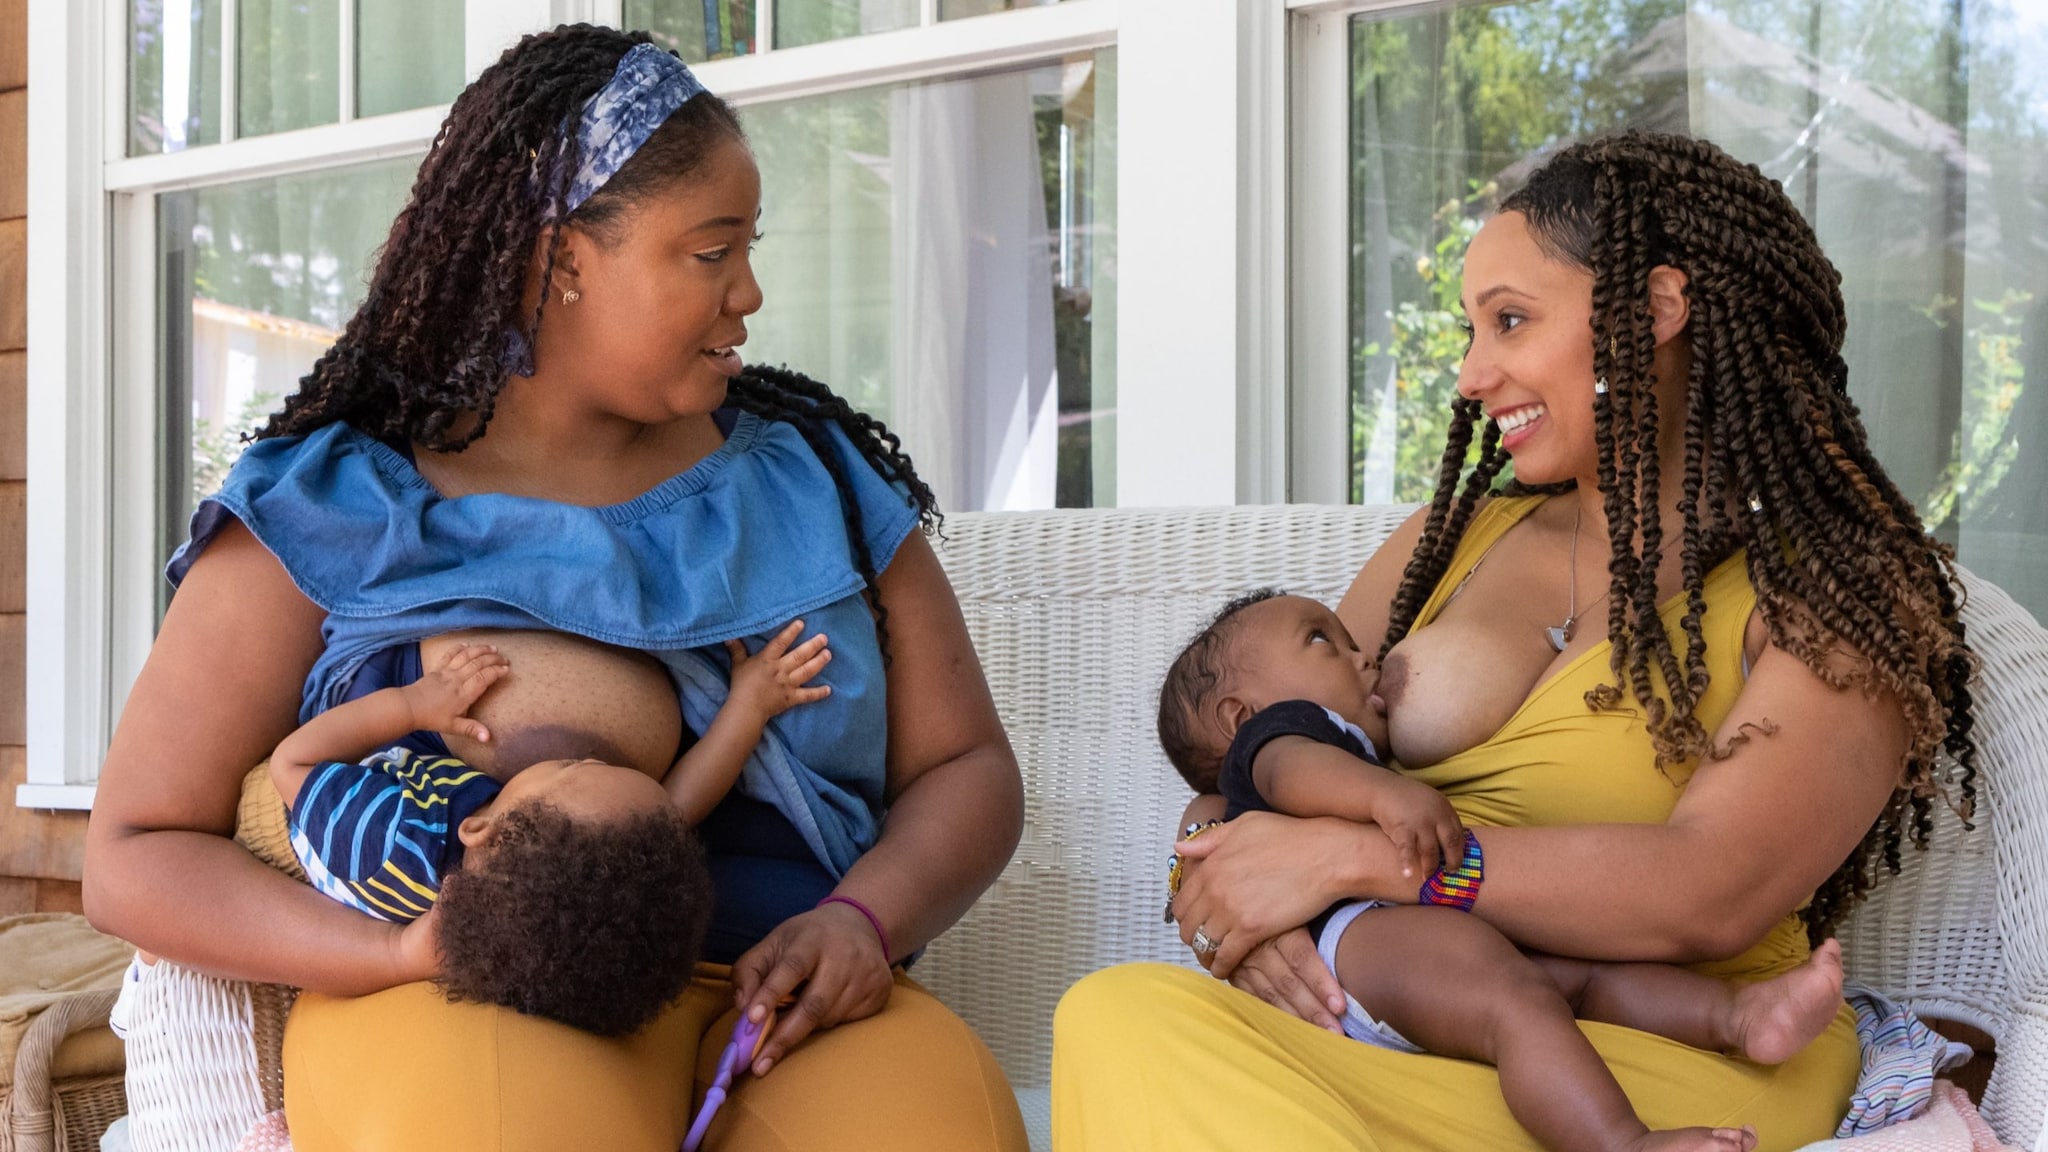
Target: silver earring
x=1600, y=386
x=571, y=296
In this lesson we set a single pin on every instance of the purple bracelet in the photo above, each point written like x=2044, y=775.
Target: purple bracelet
x=874, y=921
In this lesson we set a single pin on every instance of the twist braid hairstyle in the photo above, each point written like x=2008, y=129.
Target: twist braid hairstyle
x=429, y=348
x=1776, y=462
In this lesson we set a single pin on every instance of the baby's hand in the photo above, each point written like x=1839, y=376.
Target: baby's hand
x=440, y=699
x=772, y=681
x=1421, y=824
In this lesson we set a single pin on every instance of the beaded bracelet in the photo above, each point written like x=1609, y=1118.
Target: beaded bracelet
x=1173, y=868
x=1457, y=885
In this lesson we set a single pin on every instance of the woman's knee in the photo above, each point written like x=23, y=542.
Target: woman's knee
x=913, y=1076
x=1126, y=1002
x=484, y=1077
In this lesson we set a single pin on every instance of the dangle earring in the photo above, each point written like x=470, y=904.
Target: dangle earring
x=571, y=296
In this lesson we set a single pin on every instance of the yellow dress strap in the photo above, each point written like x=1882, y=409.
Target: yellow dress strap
x=1489, y=524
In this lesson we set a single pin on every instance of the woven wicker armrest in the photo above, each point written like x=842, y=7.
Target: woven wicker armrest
x=32, y=1110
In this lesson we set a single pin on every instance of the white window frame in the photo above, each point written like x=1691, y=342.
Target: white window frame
x=1202, y=341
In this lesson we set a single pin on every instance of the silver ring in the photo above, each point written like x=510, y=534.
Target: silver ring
x=1202, y=942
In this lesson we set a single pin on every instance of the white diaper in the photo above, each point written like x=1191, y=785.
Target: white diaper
x=1358, y=1023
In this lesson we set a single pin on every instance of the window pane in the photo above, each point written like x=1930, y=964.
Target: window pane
x=800, y=22
x=257, y=279
x=173, y=74
x=288, y=59
x=695, y=30
x=1913, y=143
x=944, y=254
x=955, y=9
x=408, y=54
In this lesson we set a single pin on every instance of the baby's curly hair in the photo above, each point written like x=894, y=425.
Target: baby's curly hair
x=595, y=924
x=1193, y=679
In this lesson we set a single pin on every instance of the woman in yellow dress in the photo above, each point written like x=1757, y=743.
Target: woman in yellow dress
x=1713, y=778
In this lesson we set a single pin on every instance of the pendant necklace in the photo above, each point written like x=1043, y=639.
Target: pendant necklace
x=1561, y=634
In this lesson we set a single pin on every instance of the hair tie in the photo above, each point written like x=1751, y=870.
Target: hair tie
x=874, y=921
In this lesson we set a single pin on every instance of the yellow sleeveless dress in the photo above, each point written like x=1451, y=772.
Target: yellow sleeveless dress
x=1154, y=1056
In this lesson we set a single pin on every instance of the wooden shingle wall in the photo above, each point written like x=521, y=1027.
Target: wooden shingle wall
x=40, y=852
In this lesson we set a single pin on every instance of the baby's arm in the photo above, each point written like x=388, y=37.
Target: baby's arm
x=764, y=686
x=1299, y=776
x=438, y=701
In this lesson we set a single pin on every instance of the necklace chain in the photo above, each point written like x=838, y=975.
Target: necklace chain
x=1561, y=634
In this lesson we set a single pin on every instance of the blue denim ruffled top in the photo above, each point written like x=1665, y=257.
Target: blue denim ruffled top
x=748, y=539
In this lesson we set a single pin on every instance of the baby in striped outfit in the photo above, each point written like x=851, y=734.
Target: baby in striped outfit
x=572, y=889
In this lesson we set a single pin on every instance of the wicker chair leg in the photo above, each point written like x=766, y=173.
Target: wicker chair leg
x=32, y=1111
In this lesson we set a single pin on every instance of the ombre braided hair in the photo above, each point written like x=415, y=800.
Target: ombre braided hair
x=1776, y=462
x=428, y=349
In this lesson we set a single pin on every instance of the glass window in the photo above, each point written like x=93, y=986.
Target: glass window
x=944, y=254
x=287, y=64
x=697, y=30
x=800, y=22
x=408, y=54
x=955, y=9
x=256, y=280
x=173, y=74
x=1913, y=142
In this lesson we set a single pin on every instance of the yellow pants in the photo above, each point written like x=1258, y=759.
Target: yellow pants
x=404, y=1069
x=1149, y=1056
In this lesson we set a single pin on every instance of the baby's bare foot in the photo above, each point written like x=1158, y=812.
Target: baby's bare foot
x=1772, y=1021
x=1741, y=1139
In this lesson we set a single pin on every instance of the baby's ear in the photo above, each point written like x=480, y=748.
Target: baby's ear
x=1231, y=712
x=476, y=829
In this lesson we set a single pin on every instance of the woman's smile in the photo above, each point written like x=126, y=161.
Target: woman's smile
x=1519, y=423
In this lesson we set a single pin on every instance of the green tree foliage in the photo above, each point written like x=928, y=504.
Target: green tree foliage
x=1941, y=97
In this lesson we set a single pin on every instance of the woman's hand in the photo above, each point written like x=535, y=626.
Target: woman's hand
x=1264, y=874
x=832, y=955
x=1288, y=973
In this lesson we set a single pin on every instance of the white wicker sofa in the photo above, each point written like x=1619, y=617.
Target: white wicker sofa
x=1075, y=615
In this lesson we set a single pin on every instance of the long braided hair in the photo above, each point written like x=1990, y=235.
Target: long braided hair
x=441, y=327
x=1776, y=462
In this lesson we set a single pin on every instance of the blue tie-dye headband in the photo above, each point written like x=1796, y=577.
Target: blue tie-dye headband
x=642, y=94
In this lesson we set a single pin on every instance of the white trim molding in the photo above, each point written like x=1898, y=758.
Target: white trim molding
x=1319, y=433
x=1198, y=349
x=68, y=424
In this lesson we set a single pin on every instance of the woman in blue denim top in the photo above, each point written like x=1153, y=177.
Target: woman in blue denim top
x=538, y=425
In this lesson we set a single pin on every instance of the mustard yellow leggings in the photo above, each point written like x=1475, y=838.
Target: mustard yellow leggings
x=1150, y=1056
x=404, y=1069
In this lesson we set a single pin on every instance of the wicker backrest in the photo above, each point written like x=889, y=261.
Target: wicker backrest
x=1076, y=614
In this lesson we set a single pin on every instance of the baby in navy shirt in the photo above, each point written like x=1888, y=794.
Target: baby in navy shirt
x=1271, y=707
